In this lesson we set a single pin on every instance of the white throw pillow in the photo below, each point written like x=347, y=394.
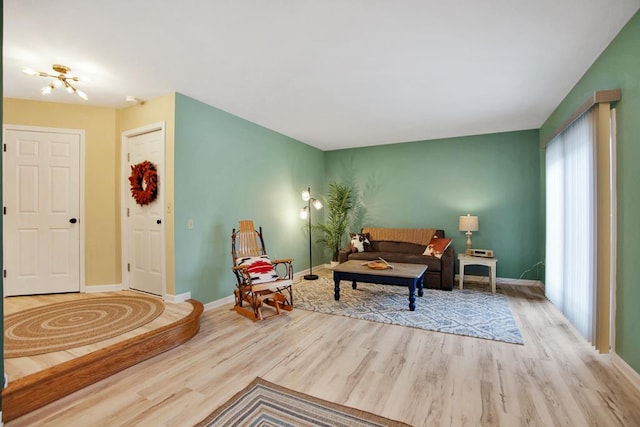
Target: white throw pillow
x=359, y=242
x=260, y=269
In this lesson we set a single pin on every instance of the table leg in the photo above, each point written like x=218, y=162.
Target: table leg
x=336, y=288
x=492, y=273
x=354, y=285
x=461, y=275
x=421, y=286
x=412, y=295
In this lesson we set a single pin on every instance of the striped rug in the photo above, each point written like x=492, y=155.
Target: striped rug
x=263, y=403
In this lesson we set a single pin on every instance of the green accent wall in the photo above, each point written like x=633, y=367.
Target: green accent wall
x=431, y=183
x=228, y=169
x=619, y=67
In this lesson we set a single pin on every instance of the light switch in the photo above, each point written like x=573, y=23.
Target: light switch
x=189, y=224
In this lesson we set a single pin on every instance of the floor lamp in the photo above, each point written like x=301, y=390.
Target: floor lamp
x=305, y=213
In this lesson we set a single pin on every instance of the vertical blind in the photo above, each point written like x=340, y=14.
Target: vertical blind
x=570, y=281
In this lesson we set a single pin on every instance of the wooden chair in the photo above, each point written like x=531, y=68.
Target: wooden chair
x=260, y=280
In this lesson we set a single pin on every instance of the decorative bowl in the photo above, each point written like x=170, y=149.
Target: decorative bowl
x=378, y=265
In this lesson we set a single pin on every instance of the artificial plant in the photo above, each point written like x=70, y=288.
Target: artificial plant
x=338, y=204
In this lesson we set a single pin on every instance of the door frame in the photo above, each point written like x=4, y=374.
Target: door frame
x=126, y=197
x=613, y=203
x=81, y=200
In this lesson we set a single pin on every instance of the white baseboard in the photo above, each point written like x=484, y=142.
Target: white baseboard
x=118, y=287
x=103, y=288
x=230, y=300
x=177, y=298
x=626, y=370
x=299, y=274
x=468, y=278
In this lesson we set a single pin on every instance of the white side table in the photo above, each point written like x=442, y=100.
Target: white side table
x=478, y=260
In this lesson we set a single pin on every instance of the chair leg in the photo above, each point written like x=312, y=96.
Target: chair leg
x=282, y=302
x=256, y=301
x=285, y=303
x=256, y=306
x=250, y=313
x=273, y=301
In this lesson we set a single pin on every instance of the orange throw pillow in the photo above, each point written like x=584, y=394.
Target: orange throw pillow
x=437, y=246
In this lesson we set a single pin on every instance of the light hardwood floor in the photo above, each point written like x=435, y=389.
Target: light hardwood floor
x=420, y=377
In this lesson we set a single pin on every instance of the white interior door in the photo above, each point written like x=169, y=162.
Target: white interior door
x=42, y=211
x=146, y=229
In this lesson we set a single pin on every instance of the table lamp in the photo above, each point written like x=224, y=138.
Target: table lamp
x=468, y=223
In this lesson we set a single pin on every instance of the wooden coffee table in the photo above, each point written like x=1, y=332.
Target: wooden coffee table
x=409, y=275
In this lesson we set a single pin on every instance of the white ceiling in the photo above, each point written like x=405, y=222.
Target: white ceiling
x=331, y=73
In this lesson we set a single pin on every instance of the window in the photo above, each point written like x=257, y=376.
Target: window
x=571, y=231
x=580, y=207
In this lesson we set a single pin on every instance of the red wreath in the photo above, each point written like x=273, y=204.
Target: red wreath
x=144, y=172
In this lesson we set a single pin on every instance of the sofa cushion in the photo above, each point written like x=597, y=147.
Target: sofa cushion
x=402, y=247
x=360, y=242
x=420, y=236
x=433, y=264
x=437, y=246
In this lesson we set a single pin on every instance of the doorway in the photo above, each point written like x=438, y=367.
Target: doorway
x=43, y=188
x=143, y=225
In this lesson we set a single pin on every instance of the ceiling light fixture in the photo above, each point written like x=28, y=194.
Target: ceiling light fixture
x=60, y=80
x=135, y=99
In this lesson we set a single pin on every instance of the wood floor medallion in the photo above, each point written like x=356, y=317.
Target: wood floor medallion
x=40, y=380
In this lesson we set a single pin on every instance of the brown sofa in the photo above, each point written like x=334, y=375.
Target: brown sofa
x=406, y=245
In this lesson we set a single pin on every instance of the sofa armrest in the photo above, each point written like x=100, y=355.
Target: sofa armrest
x=448, y=268
x=343, y=255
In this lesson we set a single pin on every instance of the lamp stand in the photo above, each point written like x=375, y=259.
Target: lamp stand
x=310, y=276
x=468, y=251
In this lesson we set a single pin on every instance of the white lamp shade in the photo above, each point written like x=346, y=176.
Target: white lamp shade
x=468, y=223
x=306, y=195
x=304, y=213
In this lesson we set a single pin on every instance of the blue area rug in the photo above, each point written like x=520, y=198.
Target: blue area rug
x=473, y=311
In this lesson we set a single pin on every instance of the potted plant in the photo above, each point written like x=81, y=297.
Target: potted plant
x=338, y=204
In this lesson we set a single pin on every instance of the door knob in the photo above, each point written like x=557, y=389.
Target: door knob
x=159, y=221
x=73, y=220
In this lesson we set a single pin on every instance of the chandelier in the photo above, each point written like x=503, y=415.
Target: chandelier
x=59, y=80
